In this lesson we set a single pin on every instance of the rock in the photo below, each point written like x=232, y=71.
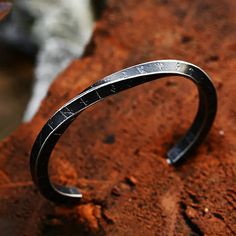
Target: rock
x=131, y=181
x=131, y=32
x=116, y=191
x=5, y=8
x=90, y=215
x=191, y=212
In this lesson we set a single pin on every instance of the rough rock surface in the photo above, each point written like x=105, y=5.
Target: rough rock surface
x=115, y=151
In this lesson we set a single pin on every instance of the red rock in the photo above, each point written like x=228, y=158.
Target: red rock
x=131, y=181
x=5, y=8
x=148, y=118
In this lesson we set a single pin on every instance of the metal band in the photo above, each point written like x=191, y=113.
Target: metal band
x=112, y=85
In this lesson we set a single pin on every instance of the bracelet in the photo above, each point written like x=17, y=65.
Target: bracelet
x=110, y=85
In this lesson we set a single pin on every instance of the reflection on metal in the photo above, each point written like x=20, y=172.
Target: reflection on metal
x=5, y=8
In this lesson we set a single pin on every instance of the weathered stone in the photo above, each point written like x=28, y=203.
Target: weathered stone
x=145, y=121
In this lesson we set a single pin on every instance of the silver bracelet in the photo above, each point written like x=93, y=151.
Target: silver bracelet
x=111, y=85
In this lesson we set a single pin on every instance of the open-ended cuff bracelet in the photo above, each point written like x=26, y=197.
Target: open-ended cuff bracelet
x=111, y=85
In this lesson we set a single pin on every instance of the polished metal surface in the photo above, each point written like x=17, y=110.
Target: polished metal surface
x=111, y=85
